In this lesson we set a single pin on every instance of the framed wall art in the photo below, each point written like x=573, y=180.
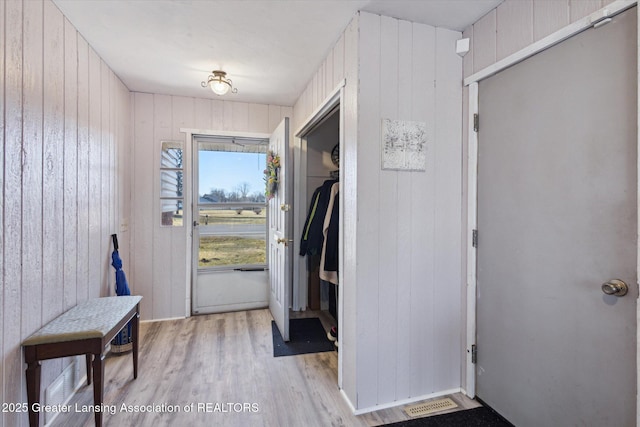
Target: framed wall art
x=404, y=145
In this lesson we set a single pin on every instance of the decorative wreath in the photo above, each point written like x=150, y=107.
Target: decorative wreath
x=271, y=174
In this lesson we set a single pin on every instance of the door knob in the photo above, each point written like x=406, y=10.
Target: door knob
x=615, y=287
x=285, y=241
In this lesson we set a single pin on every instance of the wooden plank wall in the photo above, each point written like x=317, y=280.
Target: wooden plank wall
x=349, y=177
x=341, y=63
x=513, y=25
x=330, y=73
x=401, y=326
x=62, y=131
x=409, y=224
x=158, y=254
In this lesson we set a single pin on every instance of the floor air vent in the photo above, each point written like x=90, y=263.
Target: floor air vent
x=427, y=408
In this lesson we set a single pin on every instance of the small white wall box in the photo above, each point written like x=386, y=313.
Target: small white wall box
x=462, y=46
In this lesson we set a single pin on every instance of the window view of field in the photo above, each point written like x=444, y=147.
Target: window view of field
x=217, y=251
x=231, y=207
x=232, y=237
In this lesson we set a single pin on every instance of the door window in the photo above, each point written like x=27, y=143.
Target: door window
x=231, y=205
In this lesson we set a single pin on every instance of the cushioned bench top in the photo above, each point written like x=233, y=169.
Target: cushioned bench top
x=93, y=318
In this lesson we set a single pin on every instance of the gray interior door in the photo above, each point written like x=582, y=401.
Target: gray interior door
x=557, y=218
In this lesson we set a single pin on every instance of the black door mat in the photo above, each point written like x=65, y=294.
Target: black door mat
x=306, y=336
x=476, y=417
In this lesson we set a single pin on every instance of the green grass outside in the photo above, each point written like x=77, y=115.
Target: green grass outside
x=218, y=251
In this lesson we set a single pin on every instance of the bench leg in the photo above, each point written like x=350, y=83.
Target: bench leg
x=135, y=327
x=88, y=356
x=98, y=387
x=33, y=391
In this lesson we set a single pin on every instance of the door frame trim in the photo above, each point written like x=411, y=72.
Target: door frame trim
x=188, y=177
x=299, y=146
x=559, y=36
x=472, y=81
x=472, y=223
x=335, y=98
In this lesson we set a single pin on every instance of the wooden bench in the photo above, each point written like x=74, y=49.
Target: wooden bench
x=85, y=329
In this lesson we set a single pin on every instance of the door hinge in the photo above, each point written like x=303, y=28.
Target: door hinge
x=474, y=238
x=474, y=353
x=476, y=122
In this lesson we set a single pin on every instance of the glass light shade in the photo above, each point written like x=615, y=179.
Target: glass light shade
x=220, y=87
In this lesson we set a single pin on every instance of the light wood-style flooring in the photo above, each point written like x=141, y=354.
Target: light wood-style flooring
x=223, y=364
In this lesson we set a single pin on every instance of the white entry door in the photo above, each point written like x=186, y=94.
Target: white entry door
x=280, y=247
x=557, y=219
x=230, y=224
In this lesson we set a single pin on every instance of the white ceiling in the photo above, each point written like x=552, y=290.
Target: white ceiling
x=269, y=48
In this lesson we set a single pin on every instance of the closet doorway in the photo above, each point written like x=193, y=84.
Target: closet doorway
x=317, y=163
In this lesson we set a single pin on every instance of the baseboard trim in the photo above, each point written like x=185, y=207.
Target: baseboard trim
x=406, y=401
x=162, y=320
x=346, y=399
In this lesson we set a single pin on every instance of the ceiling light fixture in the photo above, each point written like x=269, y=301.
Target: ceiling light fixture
x=219, y=83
